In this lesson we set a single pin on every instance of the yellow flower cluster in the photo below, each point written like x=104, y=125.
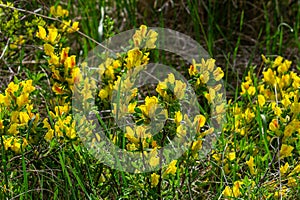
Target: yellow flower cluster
x=272, y=102
x=58, y=11
x=65, y=73
x=206, y=77
x=111, y=76
x=16, y=112
x=171, y=89
x=234, y=191
x=17, y=28
x=131, y=63
x=64, y=126
x=145, y=39
x=205, y=71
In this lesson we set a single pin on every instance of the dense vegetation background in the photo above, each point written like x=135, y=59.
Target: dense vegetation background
x=257, y=154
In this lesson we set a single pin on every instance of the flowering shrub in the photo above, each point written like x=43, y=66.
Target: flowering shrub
x=263, y=132
x=18, y=120
x=256, y=153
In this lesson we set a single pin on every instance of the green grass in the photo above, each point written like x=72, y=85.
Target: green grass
x=235, y=33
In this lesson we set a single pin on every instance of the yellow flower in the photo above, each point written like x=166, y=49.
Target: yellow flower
x=59, y=11
x=289, y=129
x=160, y=89
x=295, y=108
x=134, y=58
x=1, y=124
x=89, y=85
x=211, y=95
x=218, y=74
x=265, y=60
x=204, y=78
x=171, y=78
x=274, y=125
x=7, y=142
x=64, y=54
x=131, y=147
x=27, y=86
x=179, y=89
x=286, y=101
x=70, y=62
x=251, y=165
x=16, y=146
x=220, y=108
x=22, y=100
x=199, y=122
x=154, y=161
x=134, y=93
x=58, y=89
x=75, y=76
x=74, y=27
x=284, y=168
x=46, y=124
x=14, y=117
x=210, y=64
x=285, y=151
x=281, y=193
x=139, y=35
x=178, y=117
x=296, y=170
x=227, y=192
x=248, y=88
x=65, y=25
x=231, y=156
x=296, y=80
x=292, y=182
x=171, y=168
x=217, y=157
x=261, y=100
x=62, y=110
x=226, y=169
x=53, y=36
x=116, y=64
x=13, y=129
x=70, y=131
x=41, y=33
x=130, y=135
x=236, y=188
x=150, y=106
x=110, y=73
x=141, y=132
x=248, y=115
x=270, y=76
x=181, y=131
x=142, y=34
x=24, y=117
x=49, y=49
x=197, y=145
x=54, y=60
x=277, y=110
x=192, y=70
x=285, y=81
x=11, y=89
x=151, y=39
x=131, y=107
x=154, y=179
x=49, y=135
x=4, y=100
x=278, y=61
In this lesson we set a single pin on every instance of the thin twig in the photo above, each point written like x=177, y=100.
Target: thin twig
x=3, y=52
x=15, y=197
